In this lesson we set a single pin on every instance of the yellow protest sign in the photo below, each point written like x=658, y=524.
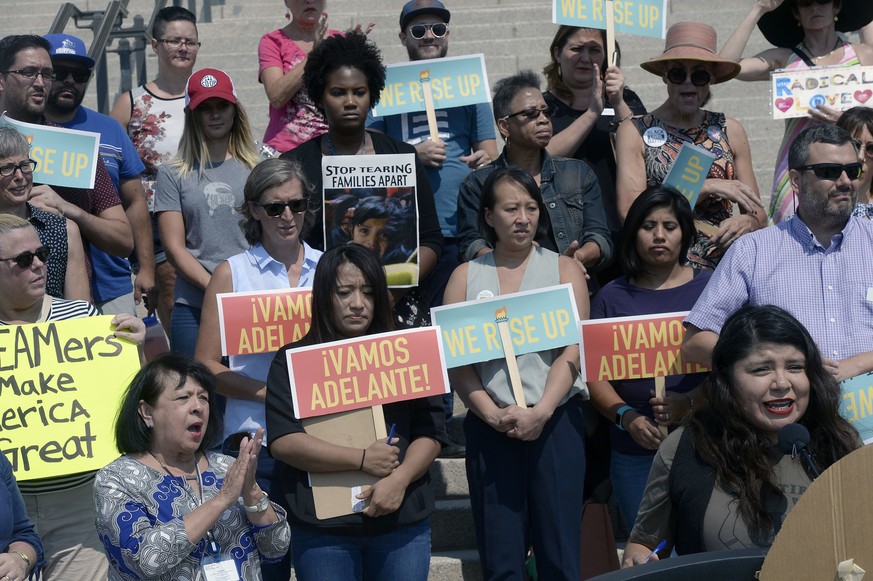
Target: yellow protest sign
x=60, y=387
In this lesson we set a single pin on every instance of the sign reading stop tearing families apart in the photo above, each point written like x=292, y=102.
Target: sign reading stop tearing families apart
x=794, y=92
x=64, y=157
x=367, y=371
x=253, y=322
x=60, y=386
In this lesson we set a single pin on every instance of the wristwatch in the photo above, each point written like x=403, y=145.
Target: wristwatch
x=262, y=505
x=619, y=415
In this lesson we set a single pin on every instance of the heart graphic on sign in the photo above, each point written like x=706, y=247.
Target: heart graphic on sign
x=784, y=104
x=862, y=96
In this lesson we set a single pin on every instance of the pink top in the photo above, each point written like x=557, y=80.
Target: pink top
x=298, y=120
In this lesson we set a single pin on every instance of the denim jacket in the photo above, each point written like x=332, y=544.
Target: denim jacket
x=572, y=197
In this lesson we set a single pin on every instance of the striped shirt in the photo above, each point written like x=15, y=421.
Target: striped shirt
x=55, y=309
x=829, y=290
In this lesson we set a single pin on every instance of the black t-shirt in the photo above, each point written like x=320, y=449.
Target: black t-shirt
x=418, y=418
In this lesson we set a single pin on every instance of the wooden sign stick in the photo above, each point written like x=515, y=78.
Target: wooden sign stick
x=509, y=352
x=424, y=78
x=379, y=422
x=661, y=392
x=610, y=33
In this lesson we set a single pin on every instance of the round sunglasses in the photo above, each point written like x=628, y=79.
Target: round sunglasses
x=699, y=78
x=438, y=30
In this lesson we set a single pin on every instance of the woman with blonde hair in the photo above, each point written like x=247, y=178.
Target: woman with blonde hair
x=197, y=195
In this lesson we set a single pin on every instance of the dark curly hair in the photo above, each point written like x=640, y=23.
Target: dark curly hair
x=723, y=435
x=351, y=49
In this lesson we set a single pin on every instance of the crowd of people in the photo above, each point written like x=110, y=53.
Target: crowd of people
x=213, y=481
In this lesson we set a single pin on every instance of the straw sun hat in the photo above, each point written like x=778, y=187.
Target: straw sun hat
x=694, y=41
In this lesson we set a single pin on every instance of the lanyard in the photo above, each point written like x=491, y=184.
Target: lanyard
x=213, y=546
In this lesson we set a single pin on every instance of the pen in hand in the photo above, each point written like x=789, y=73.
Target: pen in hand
x=391, y=433
x=657, y=550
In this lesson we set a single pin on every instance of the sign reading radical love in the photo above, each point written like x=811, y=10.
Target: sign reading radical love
x=60, y=387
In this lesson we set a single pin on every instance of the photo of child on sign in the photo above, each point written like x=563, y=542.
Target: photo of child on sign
x=370, y=200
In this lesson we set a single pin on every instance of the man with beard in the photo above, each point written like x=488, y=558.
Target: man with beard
x=112, y=290
x=818, y=266
x=26, y=76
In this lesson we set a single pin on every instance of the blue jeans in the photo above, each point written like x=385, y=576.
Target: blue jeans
x=629, y=474
x=184, y=326
x=402, y=554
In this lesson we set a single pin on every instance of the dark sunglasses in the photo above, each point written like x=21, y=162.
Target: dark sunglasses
x=805, y=3
x=25, y=259
x=868, y=149
x=699, y=78
x=833, y=171
x=533, y=113
x=275, y=209
x=79, y=75
x=418, y=31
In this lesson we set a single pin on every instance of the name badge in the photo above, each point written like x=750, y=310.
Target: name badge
x=220, y=567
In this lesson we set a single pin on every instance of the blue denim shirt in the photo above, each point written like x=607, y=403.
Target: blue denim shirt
x=572, y=197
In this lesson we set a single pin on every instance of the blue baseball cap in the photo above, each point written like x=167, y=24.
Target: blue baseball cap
x=414, y=8
x=65, y=46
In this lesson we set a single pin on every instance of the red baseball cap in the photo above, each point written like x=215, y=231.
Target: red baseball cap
x=206, y=84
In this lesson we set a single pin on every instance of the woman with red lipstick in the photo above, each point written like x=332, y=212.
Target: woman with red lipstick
x=168, y=509
x=658, y=279
x=577, y=223
x=805, y=34
x=721, y=482
x=197, y=195
x=647, y=147
x=525, y=465
x=390, y=538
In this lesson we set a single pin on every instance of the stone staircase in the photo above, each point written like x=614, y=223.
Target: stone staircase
x=513, y=35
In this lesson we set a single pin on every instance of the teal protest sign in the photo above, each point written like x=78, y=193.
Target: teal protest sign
x=689, y=171
x=538, y=320
x=454, y=82
x=856, y=404
x=638, y=17
x=64, y=157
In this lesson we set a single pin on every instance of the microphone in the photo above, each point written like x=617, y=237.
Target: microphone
x=793, y=439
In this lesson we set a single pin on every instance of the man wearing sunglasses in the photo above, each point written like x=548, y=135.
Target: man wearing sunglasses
x=818, y=265
x=112, y=289
x=26, y=77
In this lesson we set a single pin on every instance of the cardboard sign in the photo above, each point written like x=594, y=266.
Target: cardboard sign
x=639, y=17
x=60, y=387
x=856, y=404
x=634, y=347
x=794, y=93
x=689, y=171
x=371, y=200
x=263, y=321
x=454, y=82
x=371, y=370
x=65, y=157
x=538, y=320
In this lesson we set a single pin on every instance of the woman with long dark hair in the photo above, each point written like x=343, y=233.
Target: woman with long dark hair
x=390, y=539
x=724, y=473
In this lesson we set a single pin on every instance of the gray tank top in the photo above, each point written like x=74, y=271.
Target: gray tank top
x=541, y=271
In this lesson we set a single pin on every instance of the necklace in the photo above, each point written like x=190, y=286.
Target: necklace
x=815, y=59
x=195, y=476
x=332, y=149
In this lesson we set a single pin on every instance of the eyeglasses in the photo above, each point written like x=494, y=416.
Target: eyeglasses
x=833, y=171
x=699, y=78
x=276, y=209
x=805, y=3
x=26, y=167
x=418, y=31
x=868, y=149
x=31, y=73
x=25, y=259
x=79, y=75
x=533, y=113
x=178, y=42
